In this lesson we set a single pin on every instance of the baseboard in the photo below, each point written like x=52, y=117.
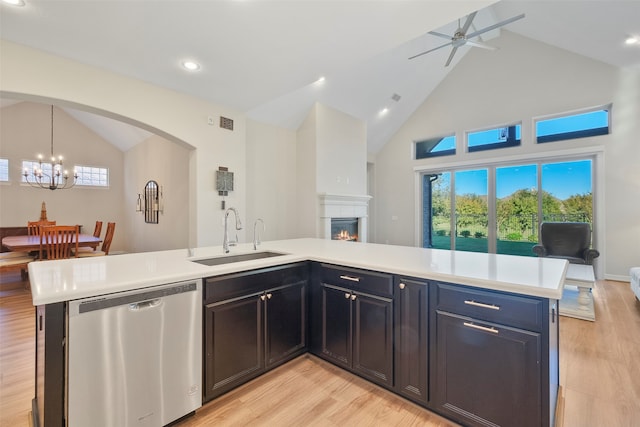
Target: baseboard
x=617, y=278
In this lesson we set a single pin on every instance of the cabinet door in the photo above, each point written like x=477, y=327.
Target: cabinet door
x=373, y=338
x=233, y=344
x=336, y=324
x=487, y=374
x=286, y=313
x=411, y=339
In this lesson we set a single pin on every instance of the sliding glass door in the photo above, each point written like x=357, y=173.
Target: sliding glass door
x=522, y=197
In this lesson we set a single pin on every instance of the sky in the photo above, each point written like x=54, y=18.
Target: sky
x=560, y=179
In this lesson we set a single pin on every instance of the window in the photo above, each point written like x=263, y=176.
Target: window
x=441, y=146
x=92, y=176
x=573, y=126
x=499, y=209
x=31, y=165
x=489, y=139
x=4, y=170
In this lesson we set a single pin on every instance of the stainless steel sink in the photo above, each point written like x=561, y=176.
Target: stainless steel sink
x=237, y=258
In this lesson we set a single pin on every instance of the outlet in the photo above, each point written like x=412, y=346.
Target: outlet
x=394, y=217
x=210, y=121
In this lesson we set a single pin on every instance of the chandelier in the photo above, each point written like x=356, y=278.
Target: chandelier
x=50, y=176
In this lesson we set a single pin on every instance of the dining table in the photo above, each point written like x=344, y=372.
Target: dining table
x=32, y=243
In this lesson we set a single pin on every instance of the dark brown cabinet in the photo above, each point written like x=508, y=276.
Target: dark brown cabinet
x=489, y=367
x=412, y=339
x=353, y=321
x=253, y=321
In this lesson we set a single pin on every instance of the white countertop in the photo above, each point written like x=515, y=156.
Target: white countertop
x=65, y=280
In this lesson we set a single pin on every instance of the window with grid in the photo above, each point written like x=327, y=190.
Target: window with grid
x=92, y=176
x=30, y=165
x=4, y=170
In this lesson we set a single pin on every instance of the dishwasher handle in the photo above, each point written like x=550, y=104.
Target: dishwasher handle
x=145, y=304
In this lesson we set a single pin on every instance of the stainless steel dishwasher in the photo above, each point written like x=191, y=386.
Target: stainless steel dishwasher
x=135, y=358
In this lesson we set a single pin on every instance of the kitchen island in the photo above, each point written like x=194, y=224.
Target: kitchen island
x=448, y=298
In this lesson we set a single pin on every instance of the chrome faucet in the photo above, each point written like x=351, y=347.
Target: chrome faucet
x=256, y=235
x=226, y=243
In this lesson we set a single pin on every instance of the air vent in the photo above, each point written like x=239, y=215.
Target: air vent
x=396, y=97
x=226, y=123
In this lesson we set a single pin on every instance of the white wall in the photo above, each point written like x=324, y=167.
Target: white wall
x=522, y=80
x=168, y=164
x=25, y=131
x=341, y=152
x=271, y=181
x=30, y=74
x=306, y=176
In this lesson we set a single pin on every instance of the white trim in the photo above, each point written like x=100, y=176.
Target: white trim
x=617, y=278
x=530, y=157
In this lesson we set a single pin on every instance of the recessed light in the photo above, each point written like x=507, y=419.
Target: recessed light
x=384, y=111
x=191, y=65
x=320, y=80
x=632, y=40
x=19, y=3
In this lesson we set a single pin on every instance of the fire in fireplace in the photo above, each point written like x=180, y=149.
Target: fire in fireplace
x=344, y=229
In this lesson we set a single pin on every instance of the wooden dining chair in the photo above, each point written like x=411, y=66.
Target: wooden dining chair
x=106, y=244
x=33, y=227
x=57, y=241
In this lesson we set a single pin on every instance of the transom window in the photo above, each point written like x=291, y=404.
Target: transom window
x=433, y=147
x=488, y=139
x=573, y=126
x=92, y=176
x=4, y=170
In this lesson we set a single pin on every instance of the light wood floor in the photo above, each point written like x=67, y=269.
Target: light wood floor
x=599, y=374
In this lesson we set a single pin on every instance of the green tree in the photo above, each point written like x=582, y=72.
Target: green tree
x=578, y=205
x=471, y=209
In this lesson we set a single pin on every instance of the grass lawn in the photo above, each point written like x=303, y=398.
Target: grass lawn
x=472, y=244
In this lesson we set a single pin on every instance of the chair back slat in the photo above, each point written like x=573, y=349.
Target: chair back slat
x=98, y=229
x=58, y=240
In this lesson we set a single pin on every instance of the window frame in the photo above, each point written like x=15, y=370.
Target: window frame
x=511, y=141
x=566, y=136
x=430, y=154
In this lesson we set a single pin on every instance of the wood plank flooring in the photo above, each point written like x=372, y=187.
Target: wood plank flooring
x=599, y=374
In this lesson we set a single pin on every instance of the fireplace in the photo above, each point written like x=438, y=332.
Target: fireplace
x=344, y=229
x=349, y=211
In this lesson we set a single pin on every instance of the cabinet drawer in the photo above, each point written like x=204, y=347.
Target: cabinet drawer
x=247, y=282
x=370, y=282
x=506, y=309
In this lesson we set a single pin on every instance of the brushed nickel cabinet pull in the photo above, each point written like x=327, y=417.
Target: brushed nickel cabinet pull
x=346, y=295
x=402, y=285
x=479, y=304
x=262, y=297
x=353, y=297
x=482, y=328
x=351, y=278
x=269, y=296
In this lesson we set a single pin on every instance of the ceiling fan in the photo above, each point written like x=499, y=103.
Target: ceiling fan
x=461, y=38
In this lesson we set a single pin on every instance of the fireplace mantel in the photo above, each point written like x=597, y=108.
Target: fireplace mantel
x=343, y=206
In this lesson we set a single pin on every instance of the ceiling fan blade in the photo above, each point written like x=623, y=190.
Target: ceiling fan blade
x=430, y=50
x=453, y=52
x=468, y=23
x=494, y=26
x=480, y=44
x=444, y=36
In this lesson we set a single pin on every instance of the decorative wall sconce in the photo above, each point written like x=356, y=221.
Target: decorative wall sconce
x=224, y=183
x=153, y=203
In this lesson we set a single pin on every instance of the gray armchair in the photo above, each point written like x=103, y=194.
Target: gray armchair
x=567, y=240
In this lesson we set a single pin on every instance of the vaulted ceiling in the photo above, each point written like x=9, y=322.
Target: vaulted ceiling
x=264, y=57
